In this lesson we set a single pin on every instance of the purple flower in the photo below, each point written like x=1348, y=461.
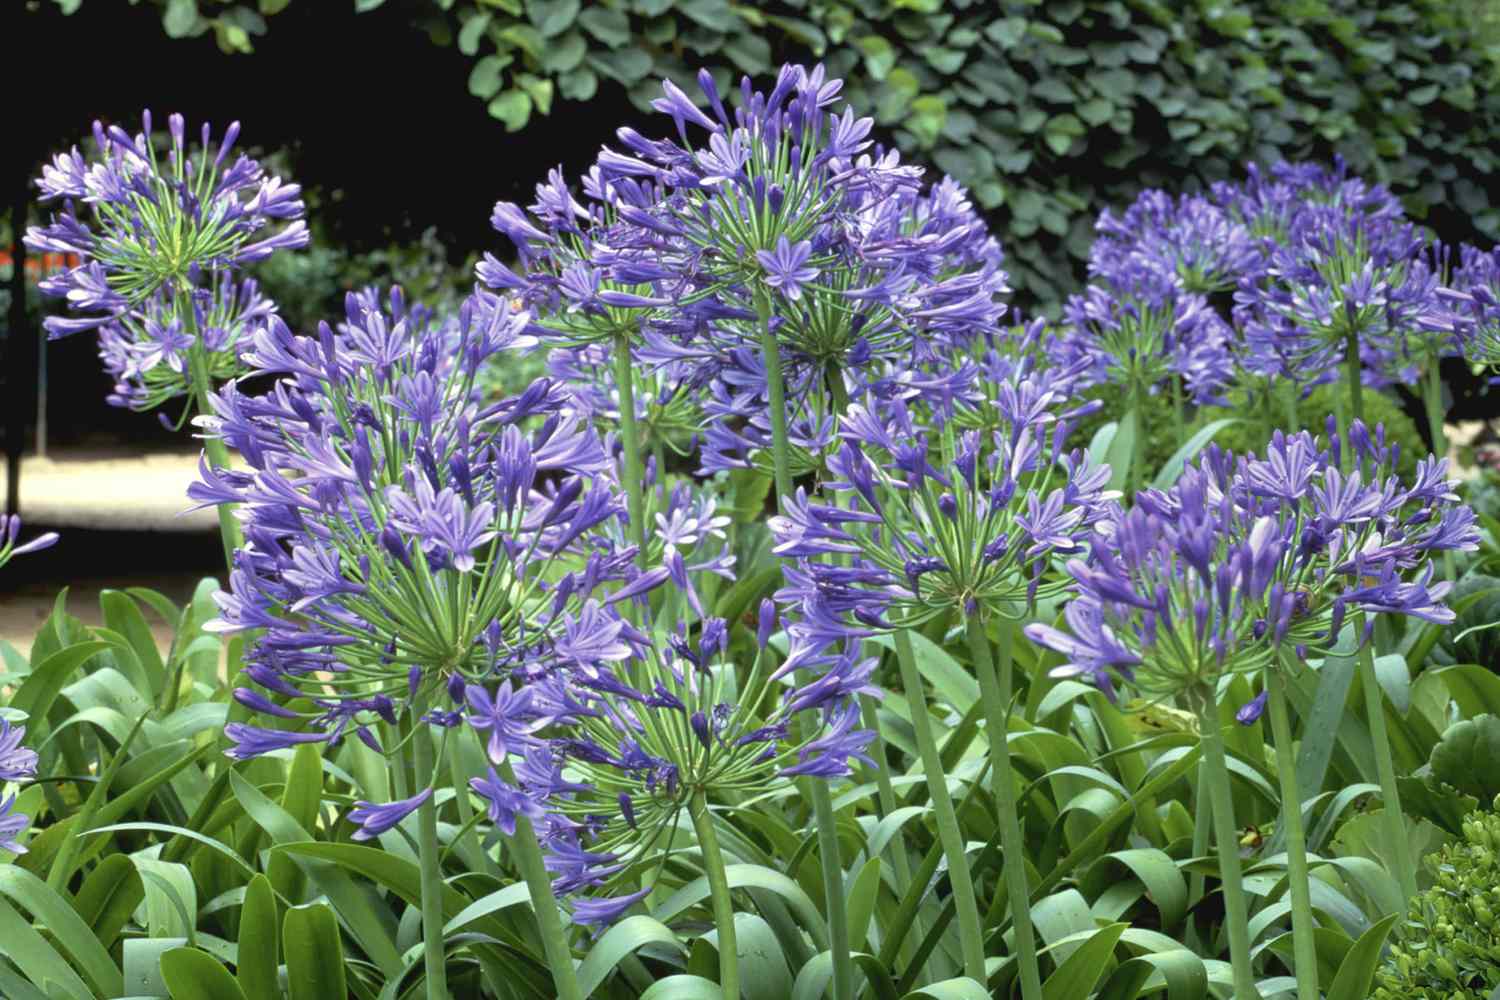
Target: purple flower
x=12, y=825
x=508, y=716
x=1251, y=711
x=373, y=820
x=506, y=802
x=17, y=763
x=253, y=741
x=786, y=267
x=10, y=528
x=597, y=912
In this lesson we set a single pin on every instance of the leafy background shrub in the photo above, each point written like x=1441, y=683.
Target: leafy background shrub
x=1047, y=111
x=1447, y=949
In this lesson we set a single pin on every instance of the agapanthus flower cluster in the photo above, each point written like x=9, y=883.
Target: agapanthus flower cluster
x=968, y=523
x=148, y=350
x=1197, y=243
x=607, y=757
x=17, y=763
x=1245, y=557
x=783, y=212
x=1343, y=266
x=1143, y=332
x=159, y=236
x=403, y=537
x=783, y=219
x=1475, y=294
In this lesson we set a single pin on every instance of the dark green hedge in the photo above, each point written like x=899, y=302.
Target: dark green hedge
x=1049, y=110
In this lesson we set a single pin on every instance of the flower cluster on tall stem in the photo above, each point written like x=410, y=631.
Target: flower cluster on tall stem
x=1243, y=566
x=964, y=528
x=161, y=235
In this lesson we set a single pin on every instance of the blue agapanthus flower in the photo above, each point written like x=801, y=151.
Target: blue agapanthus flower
x=157, y=222
x=401, y=531
x=1243, y=557
x=17, y=764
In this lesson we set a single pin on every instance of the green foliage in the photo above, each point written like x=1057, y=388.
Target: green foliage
x=1046, y=111
x=1447, y=949
x=1466, y=757
x=1244, y=424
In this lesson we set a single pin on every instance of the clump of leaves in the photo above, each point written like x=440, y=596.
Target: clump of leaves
x=1449, y=947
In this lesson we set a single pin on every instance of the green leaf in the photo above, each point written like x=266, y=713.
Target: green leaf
x=1121, y=449
x=259, y=944
x=608, y=24
x=625, y=66
x=180, y=18
x=65, y=925
x=513, y=108
x=1061, y=131
x=880, y=55
x=619, y=942
x=314, y=953
x=861, y=906
x=191, y=974
x=485, y=79
x=683, y=988
x=925, y=118
x=1077, y=976
x=1467, y=755
x=1358, y=969
x=272, y=7
x=752, y=877
x=950, y=989
x=552, y=17
x=1182, y=972
x=1170, y=472
x=470, y=35
x=763, y=968
x=35, y=957
x=40, y=689
x=108, y=896
x=365, y=6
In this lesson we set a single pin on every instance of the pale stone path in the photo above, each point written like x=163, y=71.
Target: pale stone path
x=121, y=493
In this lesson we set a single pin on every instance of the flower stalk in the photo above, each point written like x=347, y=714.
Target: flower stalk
x=995, y=688
x=429, y=860
x=1236, y=919
x=528, y=856
x=718, y=893
x=630, y=440
x=966, y=907
x=1304, y=943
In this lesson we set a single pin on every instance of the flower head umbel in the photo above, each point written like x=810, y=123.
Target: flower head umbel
x=161, y=233
x=1243, y=557
x=1475, y=292
x=968, y=524
x=402, y=534
x=627, y=745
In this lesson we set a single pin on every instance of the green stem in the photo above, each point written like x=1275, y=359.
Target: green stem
x=776, y=389
x=1304, y=941
x=839, y=391
x=213, y=447
x=888, y=803
x=1385, y=766
x=828, y=837
x=1178, y=410
x=1289, y=399
x=630, y=440
x=528, y=854
x=995, y=689
x=1353, y=376
x=718, y=894
x=966, y=907
x=429, y=860
x=1236, y=920
x=1137, y=442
